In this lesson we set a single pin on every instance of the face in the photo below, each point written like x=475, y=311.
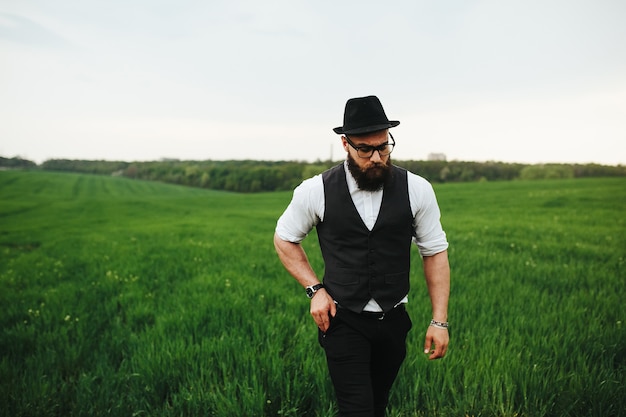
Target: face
x=369, y=173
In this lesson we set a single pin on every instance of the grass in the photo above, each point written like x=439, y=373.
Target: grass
x=129, y=298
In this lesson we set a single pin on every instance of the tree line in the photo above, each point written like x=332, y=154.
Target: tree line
x=16, y=163
x=259, y=176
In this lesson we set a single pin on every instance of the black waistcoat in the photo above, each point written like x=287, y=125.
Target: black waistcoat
x=361, y=264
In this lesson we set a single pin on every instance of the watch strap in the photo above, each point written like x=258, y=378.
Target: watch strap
x=312, y=289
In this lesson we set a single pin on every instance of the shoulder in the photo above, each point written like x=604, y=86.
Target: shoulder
x=417, y=182
x=309, y=193
x=304, y=211
x=421, y=192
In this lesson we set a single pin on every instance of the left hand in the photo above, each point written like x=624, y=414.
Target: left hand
x=436, y=342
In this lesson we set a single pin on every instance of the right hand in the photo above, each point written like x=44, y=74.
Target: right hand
x=323, y=307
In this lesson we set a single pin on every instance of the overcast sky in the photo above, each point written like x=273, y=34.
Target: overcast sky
x=516, y=81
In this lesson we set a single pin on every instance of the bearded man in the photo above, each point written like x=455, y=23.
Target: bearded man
x=367, y=212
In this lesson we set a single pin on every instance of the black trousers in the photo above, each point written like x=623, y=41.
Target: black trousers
x=364, y=354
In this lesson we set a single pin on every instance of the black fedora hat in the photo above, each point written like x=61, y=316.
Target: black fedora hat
x=364, y=115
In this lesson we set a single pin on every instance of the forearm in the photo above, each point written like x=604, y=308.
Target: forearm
x=297, y=264
x=295, y=261
x=437, y=273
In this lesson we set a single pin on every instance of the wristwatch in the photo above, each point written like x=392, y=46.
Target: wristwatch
x=312, y=289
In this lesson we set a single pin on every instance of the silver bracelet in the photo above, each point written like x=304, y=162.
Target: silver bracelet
x=439, y=324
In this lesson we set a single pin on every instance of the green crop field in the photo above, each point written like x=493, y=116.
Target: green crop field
x=131, y=298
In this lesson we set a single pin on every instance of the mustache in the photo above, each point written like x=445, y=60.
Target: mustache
x=377, y=165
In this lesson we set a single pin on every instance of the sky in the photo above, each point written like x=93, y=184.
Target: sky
x=528, y=81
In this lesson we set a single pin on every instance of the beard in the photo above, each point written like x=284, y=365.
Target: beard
x=371, y=178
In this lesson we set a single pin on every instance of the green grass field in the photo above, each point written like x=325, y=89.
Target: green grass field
x=129, y=298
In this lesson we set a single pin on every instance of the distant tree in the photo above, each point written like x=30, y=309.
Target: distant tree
x=548, y=171
x=16, y=162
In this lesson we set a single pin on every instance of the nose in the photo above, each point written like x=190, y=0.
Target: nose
x=376, y=157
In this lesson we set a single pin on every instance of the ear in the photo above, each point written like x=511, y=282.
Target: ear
x=344, y=142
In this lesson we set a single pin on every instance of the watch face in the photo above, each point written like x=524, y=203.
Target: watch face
x=311, y=290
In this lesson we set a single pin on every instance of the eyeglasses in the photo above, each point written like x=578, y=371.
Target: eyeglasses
x=366, y=151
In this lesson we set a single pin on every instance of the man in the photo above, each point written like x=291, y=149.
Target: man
x=367, y=212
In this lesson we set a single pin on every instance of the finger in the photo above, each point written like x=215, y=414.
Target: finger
x=436, y=353
x=324, y=322
x=427, y=346
x=439, y=351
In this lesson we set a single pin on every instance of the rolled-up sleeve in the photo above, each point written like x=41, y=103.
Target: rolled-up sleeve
x=305, y=210
x=428, y=234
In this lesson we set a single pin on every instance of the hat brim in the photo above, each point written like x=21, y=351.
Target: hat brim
x=366, y=129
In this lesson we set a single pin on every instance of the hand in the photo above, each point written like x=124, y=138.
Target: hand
x=436, y=342
x=322, y=309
